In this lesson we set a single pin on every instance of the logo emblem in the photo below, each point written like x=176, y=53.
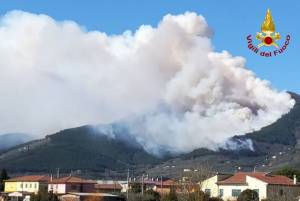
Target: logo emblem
x=268, y=38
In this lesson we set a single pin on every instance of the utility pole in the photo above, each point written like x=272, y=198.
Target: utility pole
x=143, y=185
x=127, y=184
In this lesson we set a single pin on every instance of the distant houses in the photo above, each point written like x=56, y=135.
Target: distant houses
x=69, y=188
x=75, y=188
x=268, y=186
x=225, y=186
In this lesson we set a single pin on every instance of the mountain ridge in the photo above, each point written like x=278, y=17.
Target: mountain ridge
x=76, y=148
x=85, y=148
x=9, y=140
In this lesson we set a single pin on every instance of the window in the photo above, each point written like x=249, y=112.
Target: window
x=21, y=185
x=25, y=185
x=35, y=186
x=207, y=191
x=235, y=192
x=281, y=192
x=73, y=187
x=30, y=185
x=221, y=193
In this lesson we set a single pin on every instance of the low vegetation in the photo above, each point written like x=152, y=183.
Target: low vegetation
x=44, y=195
x=248, y=195
x=288, y=172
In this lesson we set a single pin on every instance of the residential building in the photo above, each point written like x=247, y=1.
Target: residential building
x=108, y=186
x=71, y=184
x=164, y=187
x=210, y=185
x=28, y=184
x=273, y=187
x=161, y=186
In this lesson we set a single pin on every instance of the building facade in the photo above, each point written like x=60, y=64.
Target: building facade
x=28, y=184
x=108, y=186
x=71, y=184
x=267, y=186
x=210, y=185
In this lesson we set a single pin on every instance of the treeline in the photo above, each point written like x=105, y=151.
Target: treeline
x=151, y=195
x=3, y=176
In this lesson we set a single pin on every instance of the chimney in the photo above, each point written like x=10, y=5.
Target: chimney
x=295, y=179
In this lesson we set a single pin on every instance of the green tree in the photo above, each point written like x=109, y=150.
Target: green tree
x=288, y=172
x=44, y=195
x=152, y=195
x=3, y=177
x=52, y=196
x=248, y=195
x=136, y=188
x=198, y=195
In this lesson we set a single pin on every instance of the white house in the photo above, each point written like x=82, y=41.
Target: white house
x=274, y=187
x=210, y=185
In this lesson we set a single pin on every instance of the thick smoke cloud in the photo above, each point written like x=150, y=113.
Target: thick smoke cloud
x=176, y=93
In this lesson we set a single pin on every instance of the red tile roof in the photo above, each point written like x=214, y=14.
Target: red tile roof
x=275, y=179
x=71, y=179
x=166, y=183
x=240, y=178
x=30, y=178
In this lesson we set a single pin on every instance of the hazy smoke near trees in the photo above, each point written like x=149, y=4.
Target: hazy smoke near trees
x=176, y=93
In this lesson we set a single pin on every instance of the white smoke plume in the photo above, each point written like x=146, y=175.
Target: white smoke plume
x=238, y=144
x=180, y=93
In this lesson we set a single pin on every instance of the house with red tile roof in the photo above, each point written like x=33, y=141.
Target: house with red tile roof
x=108, y=187
x=268, y=186
x=26, y=184
x=71, y=184
x=165, y=186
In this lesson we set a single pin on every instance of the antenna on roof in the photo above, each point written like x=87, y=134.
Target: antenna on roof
x=127, y=188
x=57, y=173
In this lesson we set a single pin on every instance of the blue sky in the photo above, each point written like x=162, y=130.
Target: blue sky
x=231, y=21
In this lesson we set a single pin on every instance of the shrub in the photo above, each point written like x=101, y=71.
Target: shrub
x=248, y=195
x=151, y=195
x=215, y=199
x=198, y=195
x=289, y=172
x=172, y=196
